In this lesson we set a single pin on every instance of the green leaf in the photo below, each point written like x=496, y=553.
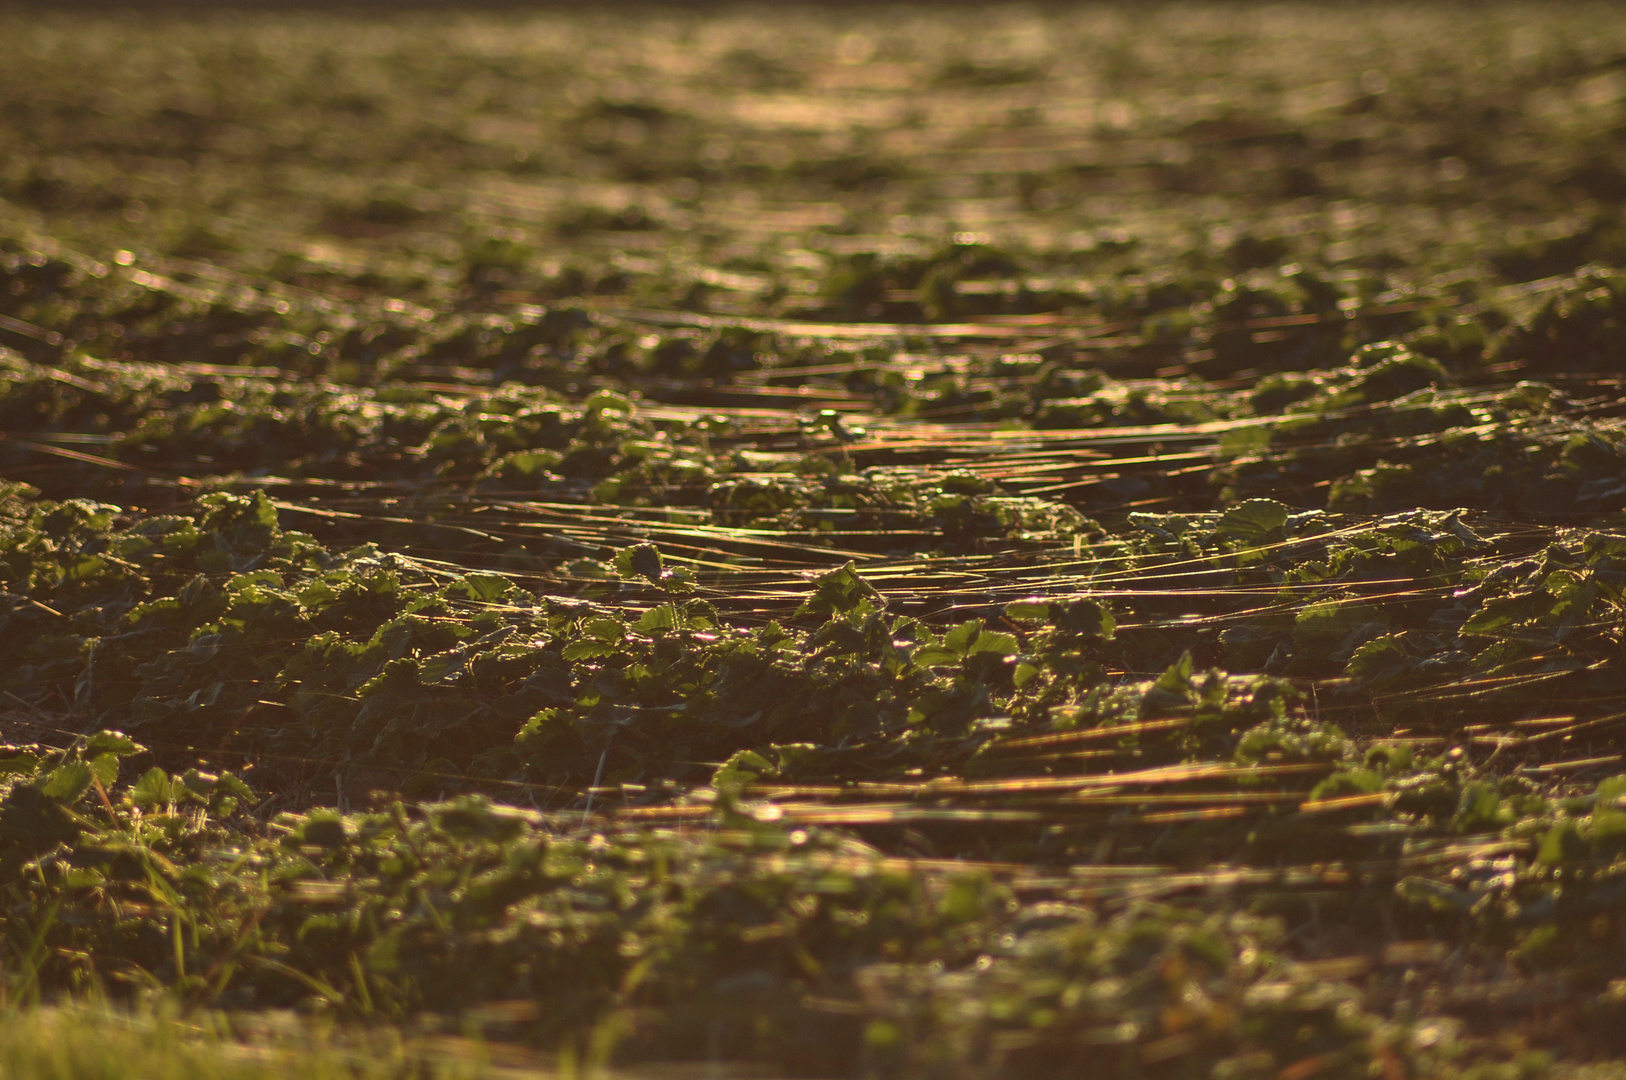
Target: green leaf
x=838, y=592
x=640, y=560
x=997, y=642
x=774, y=636
x=68, y=781
x=485, y=588
x=1375, y=657
x=589, y=649
x=1572, y=595
x=15, y=762
x=153, y=789
x=253, y=578
x=658, y=619
x=677, y=580
x=609, y=630
x=1347, y=782
x=229, y=785
x=106, y=769
x=1253, y=523
x=83, y=567
x=112, y=742
x=699, y=615
x=1173, y=688
x=1088, y=619
x=265, y=511
x=535, y=732
x=1498, y=613
x=934, y=655
x=1027, y=610
x=960, y=639
x=745, y=767
x=325, y=828
x=199, y=784
x=1326, y=625
x=526, y=462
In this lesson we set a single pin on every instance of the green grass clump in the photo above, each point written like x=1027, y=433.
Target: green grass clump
x=87, y=1042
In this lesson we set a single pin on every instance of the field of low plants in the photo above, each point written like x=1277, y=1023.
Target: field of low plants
x=955, y=542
